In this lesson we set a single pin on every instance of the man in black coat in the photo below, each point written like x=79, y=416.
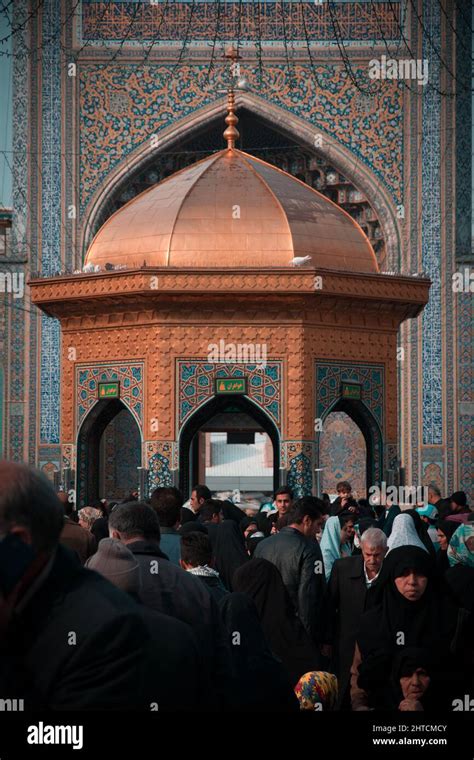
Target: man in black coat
x=385, y=521
x=348, y=594
x=296, y=554
x=68, y=639
x=168, y=589
x=174, y=647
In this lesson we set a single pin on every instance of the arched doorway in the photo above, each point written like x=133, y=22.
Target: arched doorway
x=108, y=453
x=361, y=423
x=229, y=443
x=343, y=454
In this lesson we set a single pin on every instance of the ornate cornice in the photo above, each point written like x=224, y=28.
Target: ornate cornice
x=145, y=295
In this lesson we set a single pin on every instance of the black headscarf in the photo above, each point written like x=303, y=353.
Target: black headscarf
x=231, y=511
x=245, y=522
x=229, y=551
x=192, y=526
x=252, y=541
x=460, y=578
x=405, y=663
x=260, y=520
x=239, y=614
x=448, y=527
x=444, y=681
x=423, y=623
x=261, y=683
x=288, y=640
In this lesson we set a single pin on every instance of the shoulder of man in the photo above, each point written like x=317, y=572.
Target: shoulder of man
x=349, y=565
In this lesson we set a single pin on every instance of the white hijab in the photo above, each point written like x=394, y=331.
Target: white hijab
x=404, y=534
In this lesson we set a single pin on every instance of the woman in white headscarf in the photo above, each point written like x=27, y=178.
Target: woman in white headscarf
x=335, y=541
x=404, y=533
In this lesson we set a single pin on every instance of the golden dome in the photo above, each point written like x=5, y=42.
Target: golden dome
x=232, y=210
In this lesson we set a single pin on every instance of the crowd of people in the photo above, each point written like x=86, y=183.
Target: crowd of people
x=303, y=605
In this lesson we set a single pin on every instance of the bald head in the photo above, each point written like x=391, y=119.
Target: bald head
x=29, y=506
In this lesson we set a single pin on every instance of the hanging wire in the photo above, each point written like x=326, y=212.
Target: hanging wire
x=125, y=38
x=414, y=91
x=340, y=44
x=433, y=46
x=411, y=54
x=464, y=18
x=24, y=23
x=308, y=47
x=448, y=19
x=291, y=73
x=211, y=66
x=239, y=26
x=77, y=54
x=258, y=42
x=182, y=52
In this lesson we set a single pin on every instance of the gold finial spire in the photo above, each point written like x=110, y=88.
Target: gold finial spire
x=231, y=134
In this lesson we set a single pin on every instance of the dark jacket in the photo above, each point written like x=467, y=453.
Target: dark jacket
x=174, y=651
x=347, y=596
x=296, y=556
x=168, y=589
x=187, y=515
x=212, y=530
x=231, y=511
x=385, y=522
x=170, y=544
x=78, y=540
x=336, y=508
x=100, y=528
x=214, y=585
x=80, y=643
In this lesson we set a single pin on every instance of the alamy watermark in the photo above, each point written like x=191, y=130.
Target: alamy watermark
x=463, y=282
x=384, y=494
x=238, y=353
x=46, y=734
x=12, y=705
x=463, y=705
x=399, y=68
x=13, y=282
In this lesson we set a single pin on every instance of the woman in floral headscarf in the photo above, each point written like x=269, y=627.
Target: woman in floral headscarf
x=461, y=546
x=87, y=517
x=317, y=691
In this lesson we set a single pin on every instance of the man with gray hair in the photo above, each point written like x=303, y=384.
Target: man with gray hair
x=69, y=640
x=348, y=595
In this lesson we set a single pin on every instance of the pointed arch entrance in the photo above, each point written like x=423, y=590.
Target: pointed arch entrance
x=343, y=455
x=371, y=449
x=108, y=453
x=236, y=415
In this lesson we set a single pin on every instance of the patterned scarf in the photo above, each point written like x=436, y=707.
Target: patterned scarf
x=204, y=570
x=461, y=546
